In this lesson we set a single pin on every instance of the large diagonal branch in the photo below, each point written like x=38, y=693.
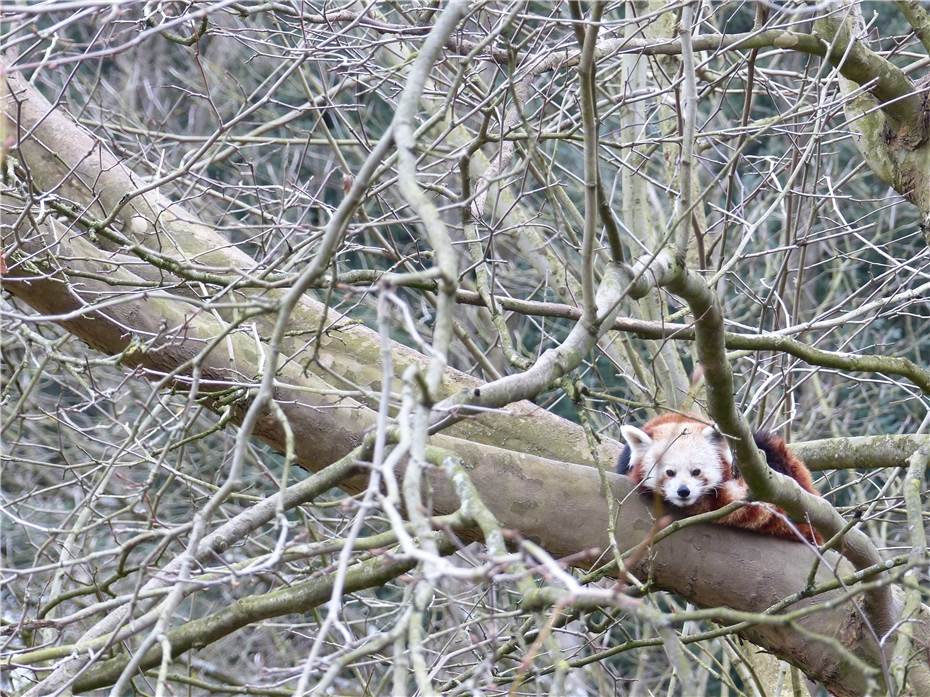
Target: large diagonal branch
x=919, y=19
x=881, y=610
x=778, y=341
x=556, y=503
x=889, y=124
x=854, y=60
x=549, y=500
x=65, y=159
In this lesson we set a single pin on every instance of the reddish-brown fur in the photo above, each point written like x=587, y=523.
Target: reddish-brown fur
x=763, y=518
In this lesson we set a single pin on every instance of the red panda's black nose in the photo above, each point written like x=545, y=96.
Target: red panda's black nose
x=684, y=492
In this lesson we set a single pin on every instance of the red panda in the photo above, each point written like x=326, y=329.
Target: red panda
x=690, y=465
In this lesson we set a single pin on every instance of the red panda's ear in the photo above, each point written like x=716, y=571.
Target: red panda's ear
x=716, y=438
x=638, y=440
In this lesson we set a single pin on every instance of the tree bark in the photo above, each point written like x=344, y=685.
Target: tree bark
x=528, y=467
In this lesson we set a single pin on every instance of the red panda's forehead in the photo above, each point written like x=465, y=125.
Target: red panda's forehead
x=685, y=433
x=682, y=443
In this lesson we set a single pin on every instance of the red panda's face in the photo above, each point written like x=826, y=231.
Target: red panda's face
x=682, y=461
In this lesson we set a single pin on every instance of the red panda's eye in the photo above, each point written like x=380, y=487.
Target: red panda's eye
x=695, y=472
x=669, y=473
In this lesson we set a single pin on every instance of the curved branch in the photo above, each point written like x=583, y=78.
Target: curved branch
x=556, y=503
x=862, y=65
x=300, y=597
x=550, y=500
x=840, y=360
x=764, y=483
x=63, y=157
x=897, y=96
x=919, y=19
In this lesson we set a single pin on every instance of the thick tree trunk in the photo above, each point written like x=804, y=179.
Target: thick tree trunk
x=528, y=467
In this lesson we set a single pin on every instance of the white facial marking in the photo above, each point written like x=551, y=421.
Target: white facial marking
x=681, y=461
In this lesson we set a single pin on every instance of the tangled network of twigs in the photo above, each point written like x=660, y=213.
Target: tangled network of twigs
x=319, y=320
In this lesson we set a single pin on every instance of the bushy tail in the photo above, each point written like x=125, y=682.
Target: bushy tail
x=781, y=460
x=776, y=453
